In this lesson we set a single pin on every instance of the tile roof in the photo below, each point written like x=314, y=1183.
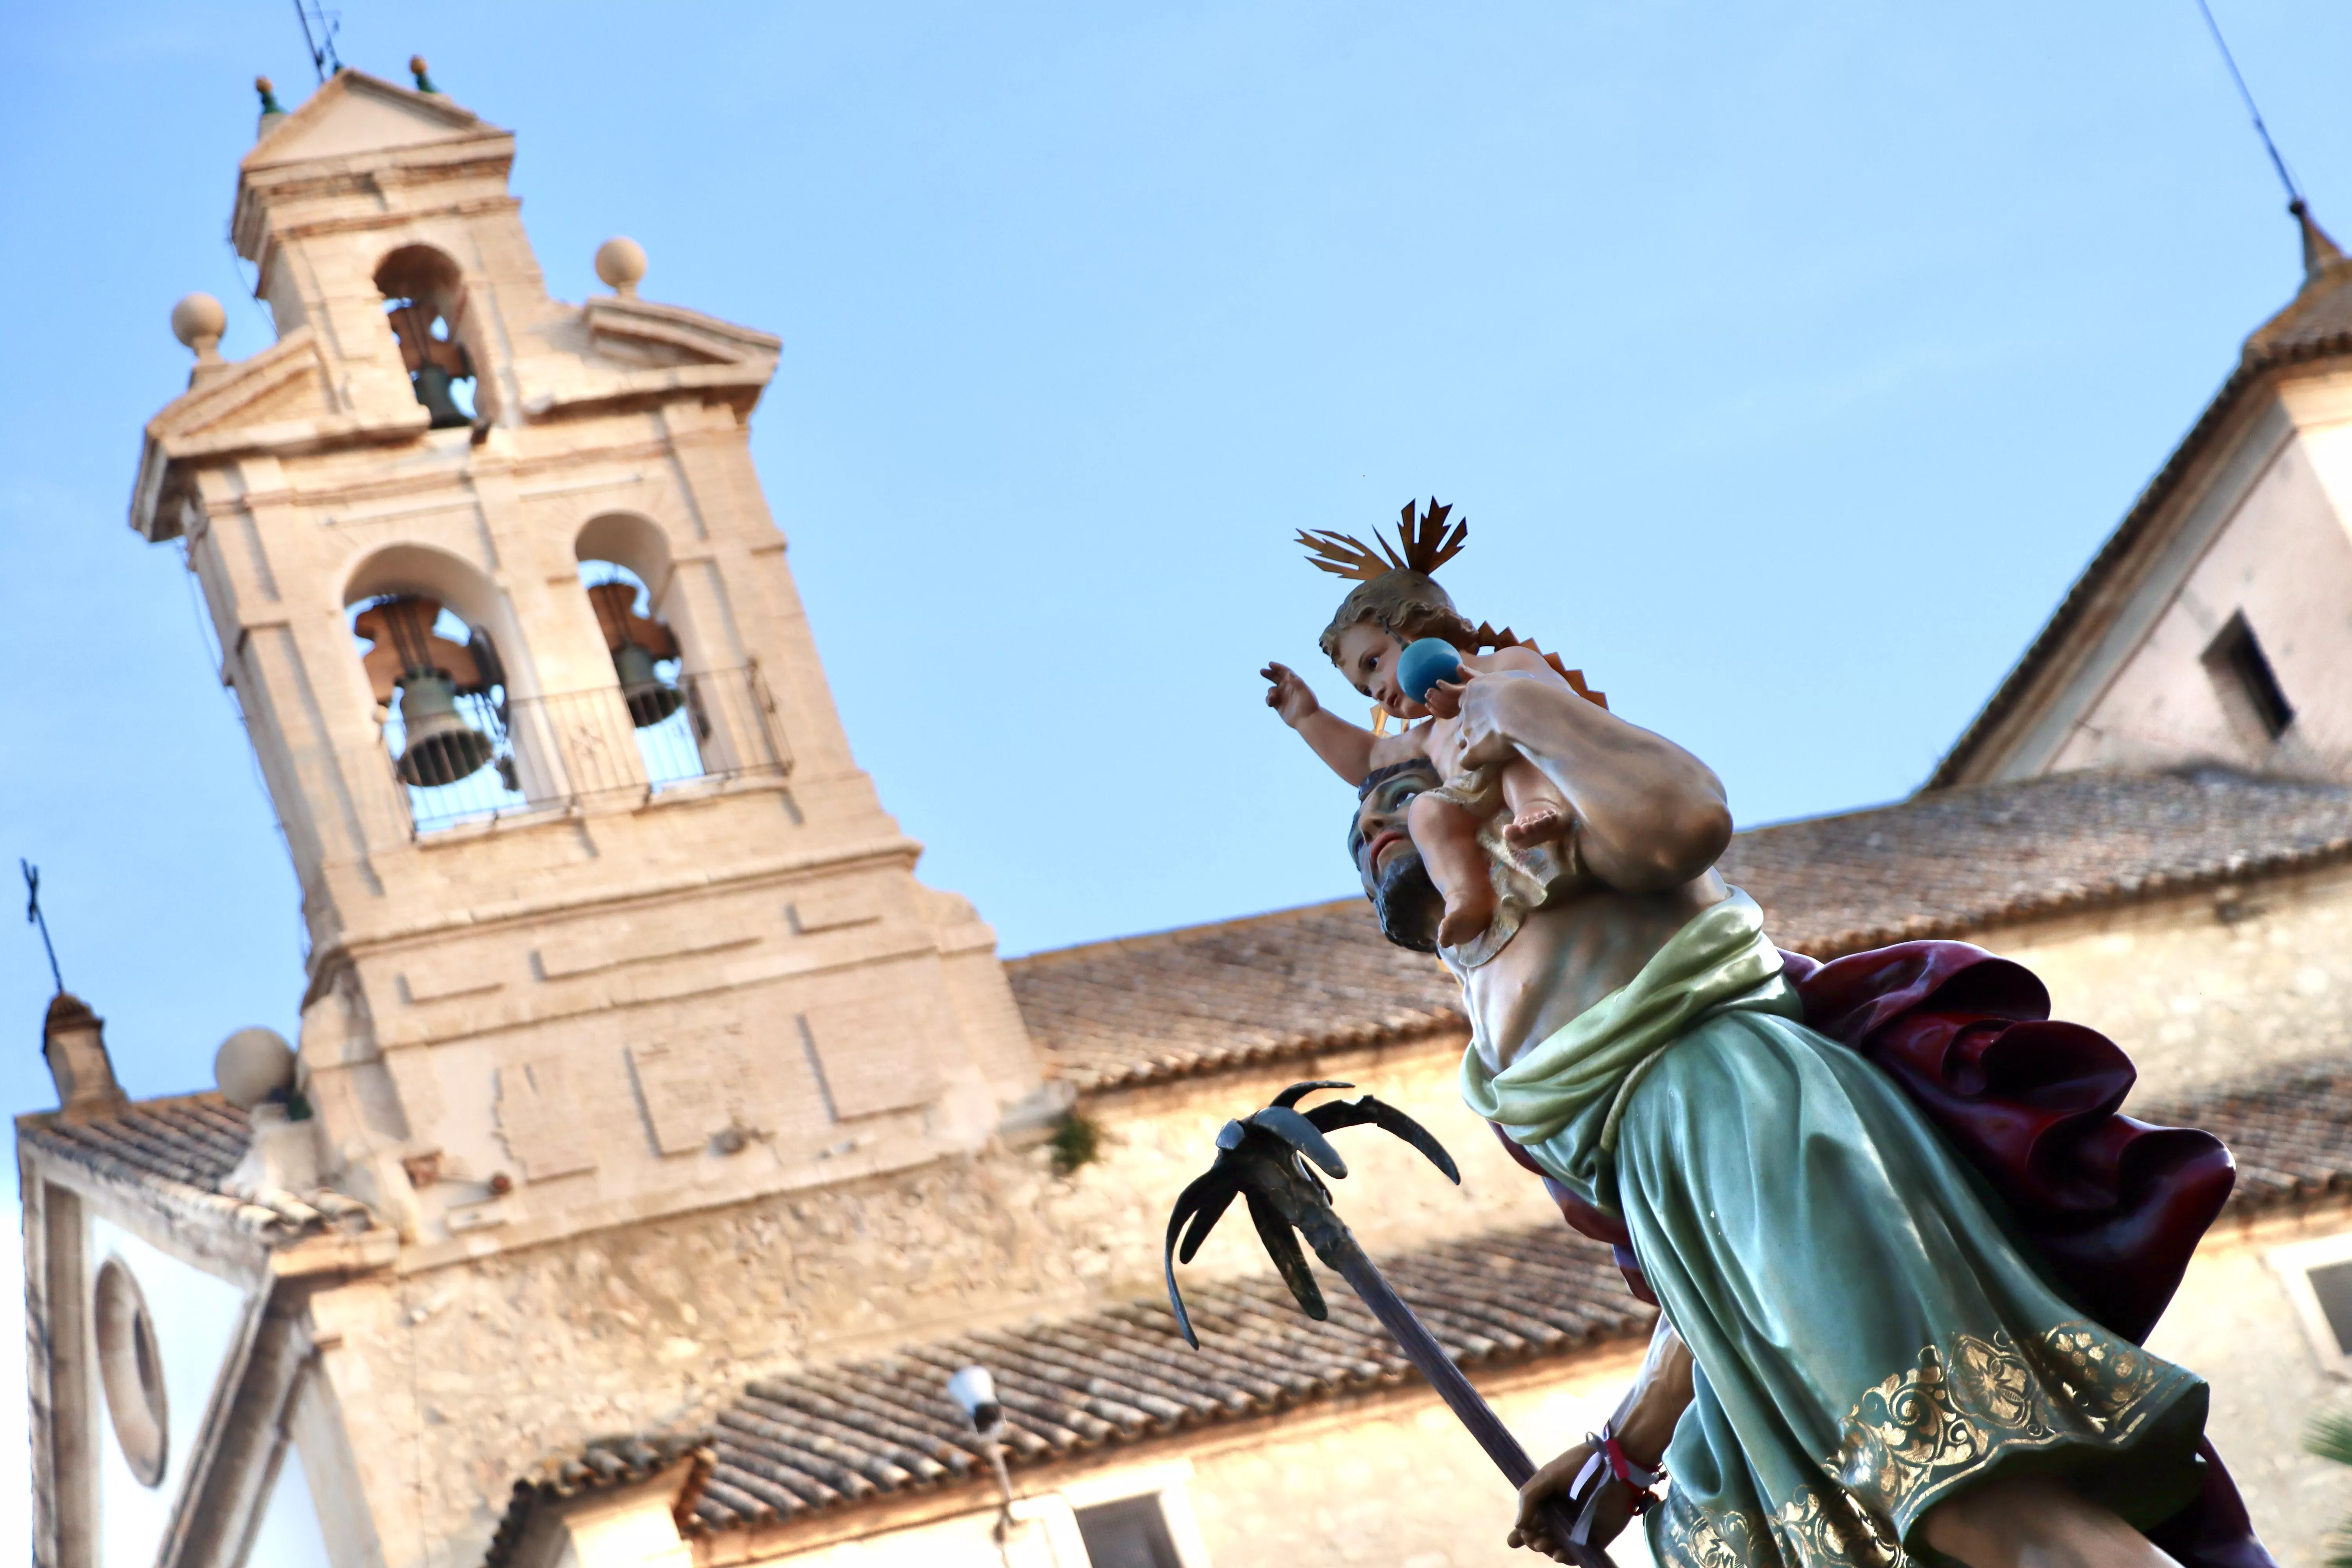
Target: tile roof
x=176, y=1151
x=1223, y=995
x=2316, y=324
x=797, y=1446
x=2290, y=1130
x=1943, y=864
x=1964, y=859
x=604, y=1464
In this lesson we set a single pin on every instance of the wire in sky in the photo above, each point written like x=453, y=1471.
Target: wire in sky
x=2293, y=191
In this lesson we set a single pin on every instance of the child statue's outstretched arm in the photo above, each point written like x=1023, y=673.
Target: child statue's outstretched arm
x=1348, y=748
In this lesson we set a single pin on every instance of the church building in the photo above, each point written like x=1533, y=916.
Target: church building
x=657, y=1148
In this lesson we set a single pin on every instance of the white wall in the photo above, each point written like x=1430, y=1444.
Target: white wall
x=2232, y=1323
x=2285, y=561
x=287, y=1535
x=196, y=1318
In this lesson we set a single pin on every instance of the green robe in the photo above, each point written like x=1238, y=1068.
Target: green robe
x=1869, y=1336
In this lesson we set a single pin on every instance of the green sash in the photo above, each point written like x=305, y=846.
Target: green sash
x=1569, y=1089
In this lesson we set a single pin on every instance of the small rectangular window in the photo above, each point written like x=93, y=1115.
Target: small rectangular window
x=2331, y=1284
x=1130, y=1533
x=2236, y=657
x=2317, y=1275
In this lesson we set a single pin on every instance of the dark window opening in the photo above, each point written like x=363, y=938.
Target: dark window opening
x=2332, y=1283
x=2237, y=656
x=1130, y=1533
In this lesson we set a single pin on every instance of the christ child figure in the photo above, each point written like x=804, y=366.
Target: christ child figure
x=1398, y=607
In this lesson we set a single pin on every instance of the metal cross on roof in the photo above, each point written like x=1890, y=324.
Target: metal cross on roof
x=33, y=913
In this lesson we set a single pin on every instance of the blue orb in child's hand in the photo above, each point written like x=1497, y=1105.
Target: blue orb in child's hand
x=1425, y=663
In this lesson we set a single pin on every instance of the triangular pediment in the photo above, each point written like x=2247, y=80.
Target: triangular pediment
x=287, y=381
x=638, y=333
x=280, y=400
x=355, y=114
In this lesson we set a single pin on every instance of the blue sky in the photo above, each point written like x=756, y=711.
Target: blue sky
x=1787, y=361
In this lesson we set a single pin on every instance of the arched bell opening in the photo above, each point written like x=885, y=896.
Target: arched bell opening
x=442, y=707
x=425, y=304
x=705, y=711
x=669, y=724
x=444, y=696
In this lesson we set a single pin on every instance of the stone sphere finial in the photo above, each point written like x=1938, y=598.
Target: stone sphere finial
x=198, y=321
x=621, y=262
x=252, y=1065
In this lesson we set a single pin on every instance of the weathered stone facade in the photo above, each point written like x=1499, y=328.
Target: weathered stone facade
x=462, y=1368
x=2207, y=989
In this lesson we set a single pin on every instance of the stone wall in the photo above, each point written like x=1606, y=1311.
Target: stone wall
x=2206, y=990
x=466, y=1374
x=2232, y=1323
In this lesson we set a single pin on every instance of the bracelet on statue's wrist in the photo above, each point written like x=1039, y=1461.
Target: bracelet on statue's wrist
x=1643, y=1483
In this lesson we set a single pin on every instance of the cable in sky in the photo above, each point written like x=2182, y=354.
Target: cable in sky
x=2293, y=191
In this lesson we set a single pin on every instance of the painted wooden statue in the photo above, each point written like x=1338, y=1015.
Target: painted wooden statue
x=1903, y=1248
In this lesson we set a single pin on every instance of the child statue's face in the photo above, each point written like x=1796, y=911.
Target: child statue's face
x=1368, y=657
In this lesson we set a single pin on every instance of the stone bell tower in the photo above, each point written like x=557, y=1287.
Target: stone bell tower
x=604, y=922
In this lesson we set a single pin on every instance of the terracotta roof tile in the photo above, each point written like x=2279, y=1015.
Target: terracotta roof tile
x=797, y=1446
x=176, y=1151
x=1221, y=996
x=1935, y=865
x=1318, y=978
x=1964, y=859
x=2291, y=1130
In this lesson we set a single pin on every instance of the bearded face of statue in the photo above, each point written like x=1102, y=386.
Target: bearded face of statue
x=1391, y=869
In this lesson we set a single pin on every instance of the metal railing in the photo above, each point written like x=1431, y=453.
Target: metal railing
x=550, y=751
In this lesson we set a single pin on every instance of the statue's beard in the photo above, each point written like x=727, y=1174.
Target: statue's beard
x=1407, y=902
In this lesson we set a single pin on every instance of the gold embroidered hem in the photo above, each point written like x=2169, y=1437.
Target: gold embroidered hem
x=1814, y=1530
x=1920, y=1433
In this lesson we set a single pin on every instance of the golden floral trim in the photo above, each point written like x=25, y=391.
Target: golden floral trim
x=1693, y=1537
x=1917, y=1434
x=1814, y=1530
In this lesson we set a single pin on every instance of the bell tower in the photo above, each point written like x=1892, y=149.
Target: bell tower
x=604, y=922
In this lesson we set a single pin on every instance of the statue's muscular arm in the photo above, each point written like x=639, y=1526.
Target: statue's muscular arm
x=1650, y=816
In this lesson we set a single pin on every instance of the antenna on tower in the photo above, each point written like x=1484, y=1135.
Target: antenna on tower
x=33, y=913
x=2293, y=191
x=319, y=28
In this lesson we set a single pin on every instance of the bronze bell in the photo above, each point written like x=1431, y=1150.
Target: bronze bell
x=650, y=699
x=433, y=385
x=441, y=747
